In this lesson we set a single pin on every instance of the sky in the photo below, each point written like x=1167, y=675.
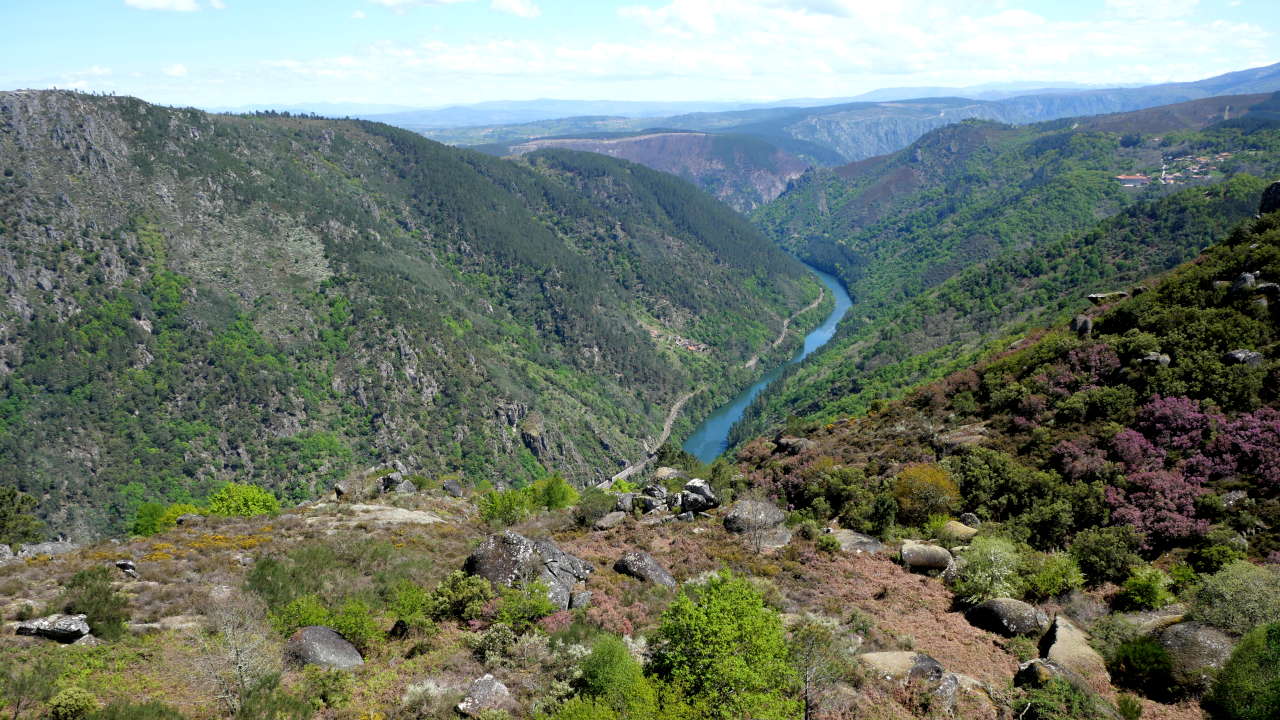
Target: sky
x=431, y=53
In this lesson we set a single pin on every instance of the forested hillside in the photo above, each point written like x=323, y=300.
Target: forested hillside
x=979, y=231
x=193, y=299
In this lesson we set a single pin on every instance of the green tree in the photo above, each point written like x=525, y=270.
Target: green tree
x=24, y=685
x=1248, y=687
x=90, y=592
x=242, y=500
x=724, y=650
x=612, y=677
x=821, y=659
x=18, y=522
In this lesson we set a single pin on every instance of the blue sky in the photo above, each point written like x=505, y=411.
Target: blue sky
x=436, y=52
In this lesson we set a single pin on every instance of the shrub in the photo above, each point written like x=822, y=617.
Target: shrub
x=1142, y=663
x=153, y=518
x=523, y=606
x=613, y=677
x=459, y=597
x=924, y=489
x=1160, y=504
x=1237, y=598
x=493, y=644
x=505, y=507
x=724, y=651
x=355, y=621
x=410, y=603
x=71, y=704
x=242, y=500
x=1248, y=686
x=126, y=710
x=326, y=687
x=1146, y=589
x=299, y=613
x=1129, y=707
x=18, y=521
x=1058, y=700
x=828, y=543
x=553, y=493
x=583, y=708
x=90, y=592
x=1105, y=554
x=1046, y=575
x=990, y=571
x=593, y=505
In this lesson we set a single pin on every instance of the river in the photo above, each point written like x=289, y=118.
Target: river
x=711, y=438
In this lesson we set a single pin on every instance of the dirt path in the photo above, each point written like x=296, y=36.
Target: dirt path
x=785, y=325
x=666, y=433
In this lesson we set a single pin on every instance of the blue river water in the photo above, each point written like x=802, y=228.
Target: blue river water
x=711, y=438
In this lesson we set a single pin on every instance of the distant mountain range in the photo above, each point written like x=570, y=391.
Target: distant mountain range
x=834, y=134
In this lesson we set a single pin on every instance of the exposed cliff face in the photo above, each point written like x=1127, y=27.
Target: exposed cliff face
x=194, y=298
x=742, y=172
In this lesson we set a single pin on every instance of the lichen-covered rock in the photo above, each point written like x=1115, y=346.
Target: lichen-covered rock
x=1248, y=358
x=856, y=542
x=509, y=557
x=319, y=645
x=903, y=666
x=63, y=628
x=6, y=554
x=1008, y=617
x=59, y=547
x=921, y=556
x=486, y=693
x=610, y=520
x=642, y=565
x=1198, y=652
x=664, y=474
x=957, y=532
x=753, y=515
x=1068, y=646
x=698, y=496
x=453, y=488
x=794, y=445
x=1107, y=297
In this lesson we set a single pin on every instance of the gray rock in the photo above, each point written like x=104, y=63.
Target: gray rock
x=687, y=516
x=1243, y=357
x=794, y=445
x=1233, y=498
x=610, y=521
x=59, y=547
x=1198, y=652
x=580, y=599
x=1270, y=199
x=920, y=556
x=970, y=519
x=63, y=628
x=389, y=482
x=1107, y=298
x=957, y=531
x=509, y=557
x=626, y=501
x=664, y=474
x=642, y=565
x=189, y=520
x=1155, y=359
x=1069, y=647
x=453, y=488
x=406, y=487
x=1008, y=617
x=698, y=496
x=1082, y=325
x=1269, y=289
x=128, y=568
x=1246, y=282
x=856, y=542
x=87, y=641
x=753, y=515
x=655, y=491
x=903, y=666
x=6, y=553
x=486, y=693
x=319, y=645
x=648, y=503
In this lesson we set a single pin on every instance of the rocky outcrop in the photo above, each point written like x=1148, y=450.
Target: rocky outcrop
x=1198, y=652
x=760, y=522
x=1107, y=298
x=921, y=556
x=1008, y=617
x=63, y=628
x=610, y=520
x=956, y=532
x=1250, y=358
x=1270, y=199
x=1039, y=673
x=664, y=474
x=698, y=496
x=58, y=547
x=318, y=645
x=509, y=557
x=642, y=565
x=856, y=542
x=486, y=693
x=902, y=666
x=1068, y=646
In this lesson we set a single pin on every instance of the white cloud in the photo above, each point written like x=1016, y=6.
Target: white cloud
x=1152, y=9
x=522, y=8
x=176, y=70
x=358, y=15
x=174, y=5
x=217, y=5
